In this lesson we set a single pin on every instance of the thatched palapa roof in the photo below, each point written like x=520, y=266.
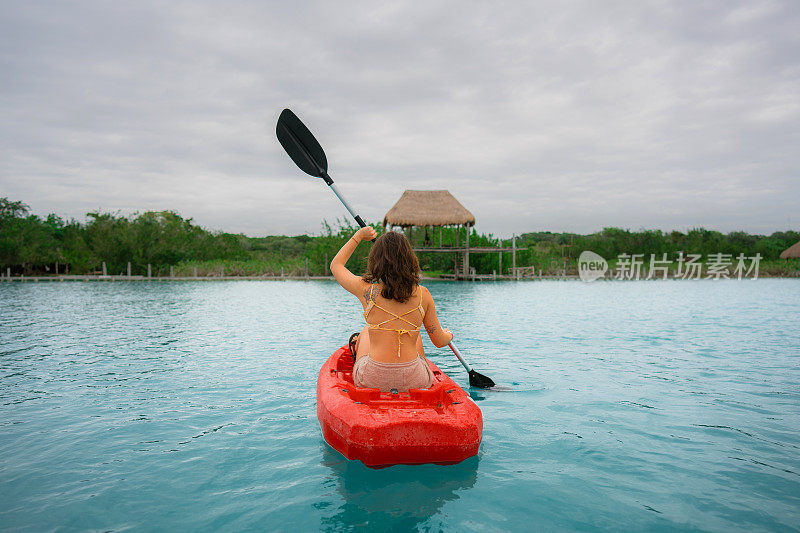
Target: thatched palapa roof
x=428, y=208
x=791, y=252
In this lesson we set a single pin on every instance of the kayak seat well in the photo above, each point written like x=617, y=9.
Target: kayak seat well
x=435, y=397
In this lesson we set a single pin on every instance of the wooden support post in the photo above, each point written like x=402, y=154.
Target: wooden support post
x=458, y=237
x=514, y=256
x=8, y=273
x=494, y=275
x=149, y=271
x=222, y=272
x=282, y=276
x=195, y=271
x=325, y=267
x=500, y=259
x=171, y=272
x=466, y=253
x=105, y=273
x=129, y=269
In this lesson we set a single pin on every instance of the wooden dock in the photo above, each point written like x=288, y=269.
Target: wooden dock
x=461, y=249
x=156, y=279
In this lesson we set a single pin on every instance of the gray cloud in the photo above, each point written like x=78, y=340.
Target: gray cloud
x=546, y=117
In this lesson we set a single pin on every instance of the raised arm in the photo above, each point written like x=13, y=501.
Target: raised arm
x=347, y=279
x=439, y=336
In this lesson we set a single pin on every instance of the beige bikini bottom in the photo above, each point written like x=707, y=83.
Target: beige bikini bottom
x=372, y=374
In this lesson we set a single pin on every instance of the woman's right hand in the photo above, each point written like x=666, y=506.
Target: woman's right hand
x=366, y=233
x=445, y=330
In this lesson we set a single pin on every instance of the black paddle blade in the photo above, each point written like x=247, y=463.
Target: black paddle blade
x=479, y=380
x=301, y=145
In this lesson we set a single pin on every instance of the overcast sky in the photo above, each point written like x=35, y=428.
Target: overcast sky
x=561, y=116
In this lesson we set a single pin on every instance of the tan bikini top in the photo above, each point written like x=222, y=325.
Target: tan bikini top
x=400, y=331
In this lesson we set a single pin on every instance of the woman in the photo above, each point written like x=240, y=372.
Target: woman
x=389, y=352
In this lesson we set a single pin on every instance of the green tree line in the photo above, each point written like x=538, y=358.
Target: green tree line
x=31, y=244
x=552, y=253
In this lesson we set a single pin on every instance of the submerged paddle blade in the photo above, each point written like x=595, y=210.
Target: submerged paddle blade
x=479, y=380
x=301, y=145
x=475, y=379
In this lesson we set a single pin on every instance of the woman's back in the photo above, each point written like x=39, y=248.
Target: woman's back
x=394, y=327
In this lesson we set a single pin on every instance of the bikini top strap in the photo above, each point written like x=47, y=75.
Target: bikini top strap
x=372, y=303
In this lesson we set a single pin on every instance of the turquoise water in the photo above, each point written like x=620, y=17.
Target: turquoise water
x=667, y=406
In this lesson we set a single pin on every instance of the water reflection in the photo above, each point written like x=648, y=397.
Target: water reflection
x=396, y=498
x=476, y=394
x=481, y=394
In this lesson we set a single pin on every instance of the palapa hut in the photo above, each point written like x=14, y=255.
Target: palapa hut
x=428, y=208
x=440, y=209
x=792, y=252
x=432, y=209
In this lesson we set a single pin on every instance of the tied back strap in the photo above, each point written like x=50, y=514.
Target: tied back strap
x=400, y=331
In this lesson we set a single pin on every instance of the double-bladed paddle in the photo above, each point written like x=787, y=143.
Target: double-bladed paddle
x=307, y=154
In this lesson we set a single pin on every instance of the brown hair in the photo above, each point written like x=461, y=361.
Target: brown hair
x=393, y=263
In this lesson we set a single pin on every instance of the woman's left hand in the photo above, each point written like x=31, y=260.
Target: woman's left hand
x=365, y=234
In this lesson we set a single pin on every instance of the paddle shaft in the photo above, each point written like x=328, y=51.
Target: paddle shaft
x=460, y=357
x=339, y=195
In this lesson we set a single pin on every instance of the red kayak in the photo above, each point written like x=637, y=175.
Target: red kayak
x=439, y=425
